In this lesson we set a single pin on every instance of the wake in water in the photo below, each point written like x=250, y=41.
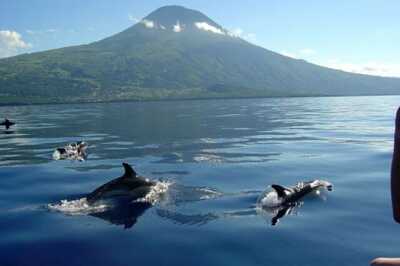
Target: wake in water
x=76, y=207
x=163, y=195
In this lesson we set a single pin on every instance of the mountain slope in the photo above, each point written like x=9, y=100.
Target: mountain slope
x=173, y=53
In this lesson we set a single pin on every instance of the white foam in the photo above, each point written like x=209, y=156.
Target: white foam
x=156, y=193
x=76, y=207
x=212, y=158
x=209, y=193
x=73, y=151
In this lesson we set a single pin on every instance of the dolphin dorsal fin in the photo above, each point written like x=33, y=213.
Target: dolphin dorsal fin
x=280, y=190
x=129, y=172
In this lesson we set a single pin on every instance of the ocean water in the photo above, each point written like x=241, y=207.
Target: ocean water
x=213, y=159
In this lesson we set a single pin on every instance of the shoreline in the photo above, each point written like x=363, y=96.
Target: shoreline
x=189, y=99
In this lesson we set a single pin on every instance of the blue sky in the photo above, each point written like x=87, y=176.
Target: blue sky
x=357, y=35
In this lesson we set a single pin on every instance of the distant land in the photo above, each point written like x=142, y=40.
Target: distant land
x=173, y=53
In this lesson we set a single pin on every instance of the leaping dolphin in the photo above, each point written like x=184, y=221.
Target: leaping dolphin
x=128, y=185
x=7, y=123
x=288, y=196
x=285, y=200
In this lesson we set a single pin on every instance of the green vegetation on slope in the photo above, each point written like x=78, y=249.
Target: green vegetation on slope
x=143, y=63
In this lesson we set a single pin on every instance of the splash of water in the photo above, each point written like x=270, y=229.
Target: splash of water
x=76, y=207
x=156, y=193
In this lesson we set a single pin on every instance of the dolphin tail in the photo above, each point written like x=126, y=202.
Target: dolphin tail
x=129, y=172
x=279, y=190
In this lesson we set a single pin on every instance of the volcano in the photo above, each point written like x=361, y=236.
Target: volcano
x=173, y=53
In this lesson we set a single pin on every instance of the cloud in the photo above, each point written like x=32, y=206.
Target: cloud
x=368, y=68
x=147, y=23
x=177, y=27
x=11, y=43
x=207, y=27
x=37, y=32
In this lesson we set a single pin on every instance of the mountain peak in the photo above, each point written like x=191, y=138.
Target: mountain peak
x=179, y=18
x=168, y=15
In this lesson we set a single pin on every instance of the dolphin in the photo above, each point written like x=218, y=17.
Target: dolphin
x=7, y=123
x=286, y=200
x=289, y=196
x=75, y=151
x=129, y=185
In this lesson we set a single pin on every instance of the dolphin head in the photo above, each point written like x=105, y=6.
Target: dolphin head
x=319, y=183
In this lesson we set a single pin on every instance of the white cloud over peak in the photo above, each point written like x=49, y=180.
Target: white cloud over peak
x=11, y=43
x=207, y=27
x=177, y=27
x=148, y=23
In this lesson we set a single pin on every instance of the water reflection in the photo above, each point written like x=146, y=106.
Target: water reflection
x=209, y=132
x=278, y=212
x=125, y=215
x=187, y=219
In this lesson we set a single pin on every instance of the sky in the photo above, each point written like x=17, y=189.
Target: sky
x=360, y=36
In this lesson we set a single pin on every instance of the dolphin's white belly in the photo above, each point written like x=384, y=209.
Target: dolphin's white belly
x=269, y=199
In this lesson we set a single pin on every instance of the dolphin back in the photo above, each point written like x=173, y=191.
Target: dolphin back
x=129, y=172
x=129, y=181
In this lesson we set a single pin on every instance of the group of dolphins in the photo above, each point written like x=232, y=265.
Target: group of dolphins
x=136, y=187
x=133, y=187
x=280, y=201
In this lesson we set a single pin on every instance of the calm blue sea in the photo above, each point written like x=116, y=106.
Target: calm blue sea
x=219, y=155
